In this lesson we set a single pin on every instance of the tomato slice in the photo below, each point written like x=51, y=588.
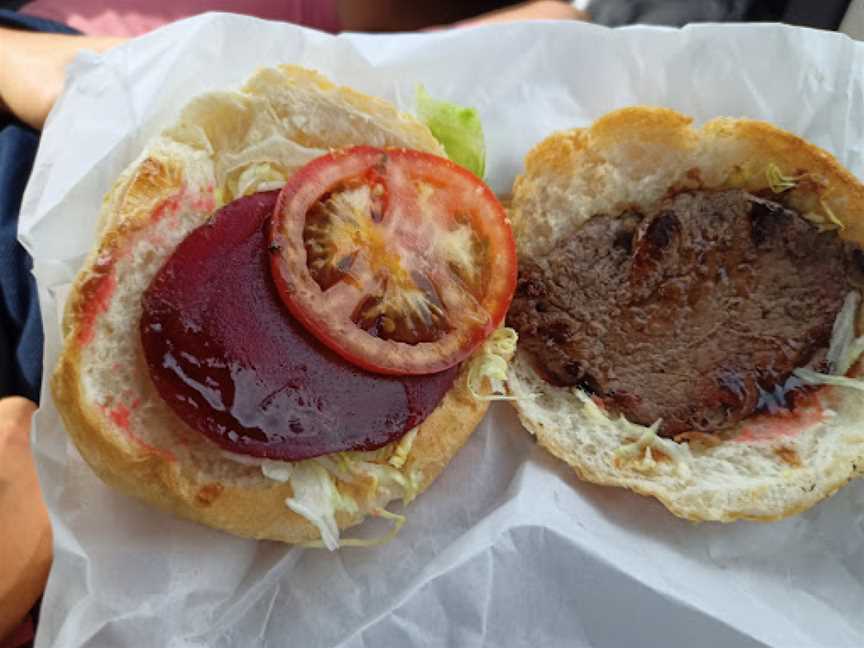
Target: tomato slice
x=400, y=261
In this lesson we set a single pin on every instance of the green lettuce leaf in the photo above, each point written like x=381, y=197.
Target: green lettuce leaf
x=457, y=128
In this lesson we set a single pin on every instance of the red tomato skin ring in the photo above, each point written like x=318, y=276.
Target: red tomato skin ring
x=299, y=190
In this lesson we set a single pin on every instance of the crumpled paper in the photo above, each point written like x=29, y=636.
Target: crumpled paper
x=507, y=548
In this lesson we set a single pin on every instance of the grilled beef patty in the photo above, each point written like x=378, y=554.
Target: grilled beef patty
x=696, y=314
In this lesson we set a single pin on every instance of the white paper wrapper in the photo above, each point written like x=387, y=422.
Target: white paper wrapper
x=507, y=548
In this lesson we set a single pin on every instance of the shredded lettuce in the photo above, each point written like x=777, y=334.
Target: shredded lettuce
x=261, y=176
x=353, y=468
x=280, y=471
x=634, y=449
x=591, y=410
x=815, y=378
x=650, y=438
x=314, y=482
x=844, y=350
x=856, y=349
x=220, y=197
x=502, y=342
x=398, y=521
x=831, y=215
x=842, y=335
x=380, y=455
x=777, y=182
x=389, y=479
x=493, y=368
x=315, y=496
x=639, y=451
x=403, y=449
x=816, y=219
x=457, y=128
x=491, y=364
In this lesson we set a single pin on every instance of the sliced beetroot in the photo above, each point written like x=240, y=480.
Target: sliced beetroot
x=227, y=357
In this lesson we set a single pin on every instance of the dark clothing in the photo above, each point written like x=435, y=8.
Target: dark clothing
x=20, y=323
x=826, y=14
x=615, y=13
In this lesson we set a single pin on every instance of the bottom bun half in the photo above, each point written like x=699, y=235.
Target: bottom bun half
x=225, y=145
x=633, y=158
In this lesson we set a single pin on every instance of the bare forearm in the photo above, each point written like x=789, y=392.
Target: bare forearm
x=33, y=69
x=524, y=11
x=390, y=15
x=25, y=543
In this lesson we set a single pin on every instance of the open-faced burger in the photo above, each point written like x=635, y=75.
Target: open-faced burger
x=688, y=310
x=292, y=314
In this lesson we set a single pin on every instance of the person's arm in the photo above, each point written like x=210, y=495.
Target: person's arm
x=538, y=10
x=33, y=68
x=25, y=541
x=395, y=15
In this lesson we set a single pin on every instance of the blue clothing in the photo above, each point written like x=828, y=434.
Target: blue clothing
x=20, y=323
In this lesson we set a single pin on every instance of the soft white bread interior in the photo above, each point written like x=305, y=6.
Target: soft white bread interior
x=633, y=158
x=224, y=145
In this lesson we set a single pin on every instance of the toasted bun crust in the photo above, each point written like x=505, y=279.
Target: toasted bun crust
x=632, y=158
x=225, y=144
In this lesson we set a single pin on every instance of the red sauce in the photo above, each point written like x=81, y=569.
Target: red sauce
x=98, y=290
x=100, y=287
x=806, y=412
x=599, y=402
x=205, y=202
x=120, y=414
x=228, y=358
x=169, y=206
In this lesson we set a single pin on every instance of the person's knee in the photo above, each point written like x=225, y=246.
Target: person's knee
x=26, y=550
x=16, y=411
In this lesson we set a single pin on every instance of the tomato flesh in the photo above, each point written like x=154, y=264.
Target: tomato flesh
x=400, y=261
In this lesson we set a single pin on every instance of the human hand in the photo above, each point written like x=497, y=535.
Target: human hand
x=536, y=10
x=25, y=541
x=33, y=70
